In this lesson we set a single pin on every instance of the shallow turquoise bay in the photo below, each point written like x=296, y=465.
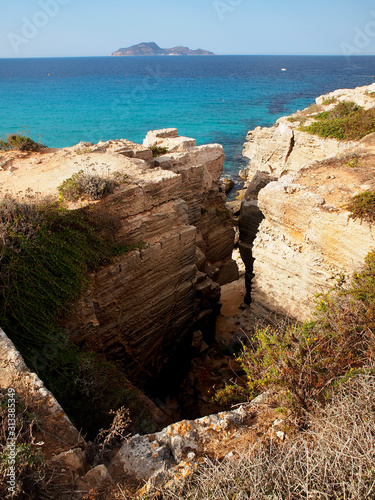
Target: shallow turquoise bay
x=215, y=99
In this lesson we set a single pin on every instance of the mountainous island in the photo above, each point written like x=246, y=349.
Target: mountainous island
x=152, y=49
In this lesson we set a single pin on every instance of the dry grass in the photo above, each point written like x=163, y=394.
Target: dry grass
x=333, y=459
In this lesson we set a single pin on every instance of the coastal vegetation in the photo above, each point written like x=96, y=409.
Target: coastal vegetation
x=19, y=142
x=158, y=150
x=362, y=206
x=29, y=462
x=46, y=253
x=92, y=185
x=346, y=121
x=333, y=458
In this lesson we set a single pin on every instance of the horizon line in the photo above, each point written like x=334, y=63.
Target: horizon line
x=183, y=56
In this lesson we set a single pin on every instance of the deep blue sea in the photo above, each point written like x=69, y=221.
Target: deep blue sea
x=62, y=101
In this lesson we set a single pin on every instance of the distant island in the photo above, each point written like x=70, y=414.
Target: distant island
x=152, y=49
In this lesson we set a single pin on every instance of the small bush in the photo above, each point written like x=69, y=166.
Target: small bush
x=90, y=185
x=230, y=395
x=103, y=446
x=353, y=160
x=329, y=100
x=158, y=150
x=346, y=121
x=362, y=206
x=83, y=151
x=20, y=143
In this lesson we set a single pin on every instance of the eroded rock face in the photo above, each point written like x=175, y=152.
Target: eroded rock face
x=143, y=308
x=307, y=239
x=249, y=221
x=284, y=149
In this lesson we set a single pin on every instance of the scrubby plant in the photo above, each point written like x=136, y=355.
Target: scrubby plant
x=346, y=121
x=304, y=360
x=104, y=444
x=90, y=184
x=231, y=394
x=19, y=142
x=83, y=151
x=158, y=150
x=329, y=100
x=333, y=459
x=362, y=206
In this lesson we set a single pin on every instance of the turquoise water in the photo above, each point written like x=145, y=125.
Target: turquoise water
x=215, y=99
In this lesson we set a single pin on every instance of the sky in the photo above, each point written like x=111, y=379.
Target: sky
x=74, y=28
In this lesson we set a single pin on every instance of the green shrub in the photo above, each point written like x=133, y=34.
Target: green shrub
x=304, y=360
x=353, y=160
x=346, y=121
x=158, y=150
x=90, y=185
x=329, y=100
x=362, y=206
x=20, y=143
x=230, y=395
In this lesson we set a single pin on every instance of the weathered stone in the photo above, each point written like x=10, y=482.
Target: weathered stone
x=55, y=429
x=283, y=148
x=146, y=456
x=227, y=185
x=248, y=224
x=74, y=459
x=168, y=138
x=307, y=239
x=96, y=476
x=303, y=247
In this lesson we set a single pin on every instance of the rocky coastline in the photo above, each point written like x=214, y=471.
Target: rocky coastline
x=157, y=307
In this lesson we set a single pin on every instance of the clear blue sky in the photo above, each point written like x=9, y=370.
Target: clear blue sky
x=54, y=28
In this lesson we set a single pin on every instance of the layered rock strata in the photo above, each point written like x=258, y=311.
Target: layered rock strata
x=307, y=239
x=143, y=307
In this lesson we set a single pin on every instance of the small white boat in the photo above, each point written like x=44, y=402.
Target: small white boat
x=283, y=69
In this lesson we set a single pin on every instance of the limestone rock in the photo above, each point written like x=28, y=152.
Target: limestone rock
x=147, y=456
x=96, y=476
x=55, y=428
x=142, y=308
x=248, y=223
x=168, y=138
x=74, y=459
x=303, y=246
x=283, y=148
x=307, y=239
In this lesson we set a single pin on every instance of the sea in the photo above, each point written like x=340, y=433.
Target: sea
x=215, y=99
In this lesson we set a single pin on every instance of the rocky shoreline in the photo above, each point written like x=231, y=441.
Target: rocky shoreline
x=158, y=306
